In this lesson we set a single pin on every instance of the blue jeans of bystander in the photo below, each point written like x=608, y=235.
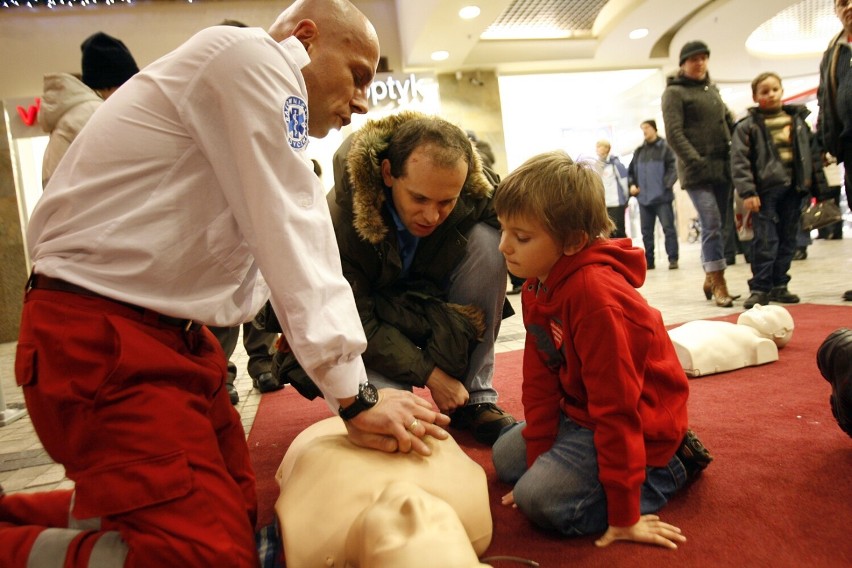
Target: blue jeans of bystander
x=712, y=204
x=776, y=227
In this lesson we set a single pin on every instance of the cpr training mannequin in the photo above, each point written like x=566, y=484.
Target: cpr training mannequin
x=376, y=510
x=707, y=347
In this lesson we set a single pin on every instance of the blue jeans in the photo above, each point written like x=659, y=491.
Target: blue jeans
x=561, y=490
x=648, y=215
x=712, y=204
x=479, y=279
x=776, y=228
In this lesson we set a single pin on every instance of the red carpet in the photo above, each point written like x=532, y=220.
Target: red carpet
x=779, y=492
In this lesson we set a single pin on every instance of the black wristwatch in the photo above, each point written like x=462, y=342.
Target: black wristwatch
x=366, y=398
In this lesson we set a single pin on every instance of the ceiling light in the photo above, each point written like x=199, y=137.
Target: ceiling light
x=440, y=55
x=469, y=12
x=638, y=33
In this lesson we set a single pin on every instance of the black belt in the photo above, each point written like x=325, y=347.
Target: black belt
x=41, y=282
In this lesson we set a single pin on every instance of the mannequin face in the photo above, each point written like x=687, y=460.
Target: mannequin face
x=407, y=526
x=771, y=322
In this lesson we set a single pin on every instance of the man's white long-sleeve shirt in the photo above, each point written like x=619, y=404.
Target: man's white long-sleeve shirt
x=188, y=193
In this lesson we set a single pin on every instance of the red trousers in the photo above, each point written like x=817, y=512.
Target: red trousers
x=137, y=412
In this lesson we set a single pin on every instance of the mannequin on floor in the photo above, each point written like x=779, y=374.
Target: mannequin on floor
x=707, y=347
x=378, y=509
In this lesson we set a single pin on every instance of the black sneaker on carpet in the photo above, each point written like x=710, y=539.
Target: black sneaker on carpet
x=266, y=382
x=756, y=297
x=847, y=295
x=800, y=253
x=694, y=456
x=672, y=265
x=781, y=295
x=485, y=420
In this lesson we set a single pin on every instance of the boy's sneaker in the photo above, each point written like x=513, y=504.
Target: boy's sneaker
x=693, y=455
x=756, y=297
x=485, y=420
x=781, y=295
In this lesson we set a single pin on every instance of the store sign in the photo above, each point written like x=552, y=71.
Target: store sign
x=22, y=117
x=391, y=91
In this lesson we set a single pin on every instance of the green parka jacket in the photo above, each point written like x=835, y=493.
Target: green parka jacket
x=369, y=252
x=410, y=327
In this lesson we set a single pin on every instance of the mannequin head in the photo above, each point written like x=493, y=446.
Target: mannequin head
x=772, y=322
x=408, y=526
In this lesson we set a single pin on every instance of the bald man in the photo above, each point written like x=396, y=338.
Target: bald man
x=149, y=230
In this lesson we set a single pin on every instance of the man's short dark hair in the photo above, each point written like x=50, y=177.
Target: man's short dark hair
x=650, y=122
x=448, y=140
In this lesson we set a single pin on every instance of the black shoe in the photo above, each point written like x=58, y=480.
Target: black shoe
x=672, y=265
x=756, y=297
x=781, y=295
x=693, y=455
x=731, y=260
x=847, y=295
x=485, y=420
x=515, y=290
x=232, y=393
x=651, y=267
x=266, y=382
x=834, y=359
x=800, y=253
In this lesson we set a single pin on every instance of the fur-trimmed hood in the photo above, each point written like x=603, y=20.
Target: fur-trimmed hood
x=363, y=190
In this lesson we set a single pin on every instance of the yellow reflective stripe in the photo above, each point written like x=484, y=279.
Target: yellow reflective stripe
x=50, y=548
x=92, y=524
x=110, y=551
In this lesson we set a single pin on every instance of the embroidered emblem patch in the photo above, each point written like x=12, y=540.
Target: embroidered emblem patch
x=296, y=120
x=556, y=332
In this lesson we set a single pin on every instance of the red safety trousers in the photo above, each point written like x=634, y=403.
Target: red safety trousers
x=136, y=411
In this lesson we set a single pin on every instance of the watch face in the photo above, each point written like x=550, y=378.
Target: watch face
x=369, y=394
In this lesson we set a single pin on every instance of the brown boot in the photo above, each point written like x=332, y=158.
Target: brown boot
x=720, y=289
x=708, y=286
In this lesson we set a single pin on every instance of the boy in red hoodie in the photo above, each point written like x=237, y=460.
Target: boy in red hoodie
x=605, y=442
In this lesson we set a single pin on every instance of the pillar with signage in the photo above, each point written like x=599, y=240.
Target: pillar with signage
x=21, y=148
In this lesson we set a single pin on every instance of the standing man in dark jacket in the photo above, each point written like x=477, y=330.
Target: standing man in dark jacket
x=651, y=175
x=698, y=128
x=834, y=124
x=418, y=238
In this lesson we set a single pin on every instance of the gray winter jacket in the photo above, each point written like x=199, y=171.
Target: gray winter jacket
x=755, y=162
x=698, y=129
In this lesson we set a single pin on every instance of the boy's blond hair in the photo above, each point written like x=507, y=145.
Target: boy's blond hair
x=566, y=197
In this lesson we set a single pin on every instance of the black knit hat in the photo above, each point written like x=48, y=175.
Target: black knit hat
x=106, y=62
x=691, y=48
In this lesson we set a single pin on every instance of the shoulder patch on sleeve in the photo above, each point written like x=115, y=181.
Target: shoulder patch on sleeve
x=295, y=113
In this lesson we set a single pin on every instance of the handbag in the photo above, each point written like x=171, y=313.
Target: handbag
x=821, y=214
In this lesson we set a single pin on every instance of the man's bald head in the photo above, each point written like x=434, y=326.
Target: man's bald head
x=344, y=51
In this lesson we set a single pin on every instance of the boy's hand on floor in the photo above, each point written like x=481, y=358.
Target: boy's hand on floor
x=650, y=529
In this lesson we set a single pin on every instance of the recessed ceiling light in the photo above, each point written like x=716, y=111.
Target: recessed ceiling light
x=469, y=12
x=638, y=33
x=440, y=55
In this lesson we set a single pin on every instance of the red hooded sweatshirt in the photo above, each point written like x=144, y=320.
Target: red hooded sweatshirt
x=598, y=352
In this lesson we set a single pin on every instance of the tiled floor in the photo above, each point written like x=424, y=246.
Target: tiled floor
x=821, y=279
